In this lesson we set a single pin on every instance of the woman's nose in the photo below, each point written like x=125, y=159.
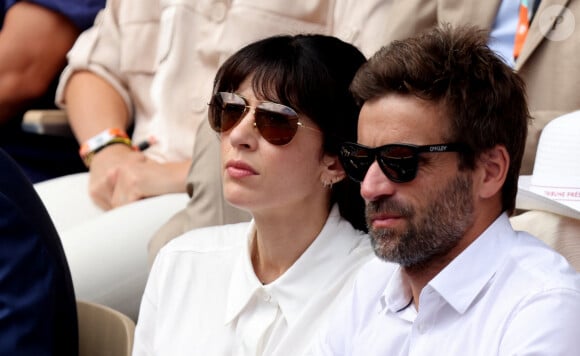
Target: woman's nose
x=244, y=132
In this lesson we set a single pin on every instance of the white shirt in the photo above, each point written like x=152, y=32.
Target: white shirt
x=203, y=297
x=506, y=294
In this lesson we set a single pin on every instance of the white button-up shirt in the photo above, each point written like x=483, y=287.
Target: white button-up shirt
x=203, y=297
x=506, y=294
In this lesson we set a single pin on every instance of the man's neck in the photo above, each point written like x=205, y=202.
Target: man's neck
x=418, y=276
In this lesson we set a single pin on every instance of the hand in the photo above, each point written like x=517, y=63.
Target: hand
x=122, y=176
x=103, y=172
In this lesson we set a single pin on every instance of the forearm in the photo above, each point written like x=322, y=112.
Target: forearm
x=93, y=105
x=177, y=176
x=33, y=45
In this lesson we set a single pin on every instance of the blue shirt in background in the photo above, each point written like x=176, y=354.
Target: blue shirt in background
x=81, y=12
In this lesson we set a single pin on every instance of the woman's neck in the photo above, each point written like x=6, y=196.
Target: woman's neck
x=281, y=239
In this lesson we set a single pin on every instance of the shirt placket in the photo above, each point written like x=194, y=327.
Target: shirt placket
x=255, y=326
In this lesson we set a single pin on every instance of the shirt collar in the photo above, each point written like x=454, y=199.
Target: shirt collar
x=292, y=290
x=466, y=276
x=397, y=295
x=470, y=272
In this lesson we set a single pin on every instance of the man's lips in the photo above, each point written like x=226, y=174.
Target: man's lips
x=384, y=220
x=239, y=169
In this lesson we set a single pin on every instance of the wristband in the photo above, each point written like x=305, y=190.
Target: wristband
x=98, y=142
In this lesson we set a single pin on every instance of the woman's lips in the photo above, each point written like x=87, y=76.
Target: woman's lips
x=239, y=169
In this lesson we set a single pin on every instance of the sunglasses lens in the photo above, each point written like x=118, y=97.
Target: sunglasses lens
x=399, y=163
x=226, y=109
x=231, y=114
x=277, y=123
x=356, y=160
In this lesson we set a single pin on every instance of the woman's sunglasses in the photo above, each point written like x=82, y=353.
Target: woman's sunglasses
x=277, y=123
x=399, y=162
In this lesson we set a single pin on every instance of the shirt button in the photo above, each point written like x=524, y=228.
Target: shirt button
x=266, y=297
x=349, y=35
x=421, y=328
x=218, y=12
x=198, y=105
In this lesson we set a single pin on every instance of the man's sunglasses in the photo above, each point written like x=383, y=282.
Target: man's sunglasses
x=399, y=162
x=277, y=123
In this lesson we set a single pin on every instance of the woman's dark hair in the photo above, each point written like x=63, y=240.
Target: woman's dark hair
x=311, y=74
x=484, y=98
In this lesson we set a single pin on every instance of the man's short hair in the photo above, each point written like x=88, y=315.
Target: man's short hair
x=453, y=66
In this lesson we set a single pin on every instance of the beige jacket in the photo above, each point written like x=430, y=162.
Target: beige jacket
x=162, y=55
x=549, y=62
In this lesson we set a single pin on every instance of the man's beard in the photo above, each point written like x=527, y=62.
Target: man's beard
x=429, y=233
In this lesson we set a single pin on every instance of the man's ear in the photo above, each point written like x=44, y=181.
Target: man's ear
x=493, y=166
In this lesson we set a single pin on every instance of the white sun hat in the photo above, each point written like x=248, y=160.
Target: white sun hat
x=554, y=185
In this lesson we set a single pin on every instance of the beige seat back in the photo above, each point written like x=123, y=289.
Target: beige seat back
x=103, y=331
x=559, y=232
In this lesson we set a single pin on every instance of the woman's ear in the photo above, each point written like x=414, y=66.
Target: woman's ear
x=493, y=166
x=332, y=171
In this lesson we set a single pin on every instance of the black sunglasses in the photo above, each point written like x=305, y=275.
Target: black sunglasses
x=399, y=162
x=277, y=123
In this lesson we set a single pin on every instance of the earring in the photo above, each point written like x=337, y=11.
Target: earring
x=328, y=183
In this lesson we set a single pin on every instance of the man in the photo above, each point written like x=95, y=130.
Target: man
x=441, y=136
x=37, y=301
x=540, y=48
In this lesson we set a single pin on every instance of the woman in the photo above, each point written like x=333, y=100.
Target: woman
x=281, y=107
